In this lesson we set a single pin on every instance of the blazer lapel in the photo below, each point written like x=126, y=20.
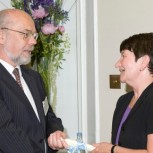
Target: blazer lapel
x=141, y=100
x=120, y=111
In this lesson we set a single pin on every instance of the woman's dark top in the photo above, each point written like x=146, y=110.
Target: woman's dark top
x=139, y=122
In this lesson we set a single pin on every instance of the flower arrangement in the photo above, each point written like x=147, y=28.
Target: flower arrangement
x=52, y=43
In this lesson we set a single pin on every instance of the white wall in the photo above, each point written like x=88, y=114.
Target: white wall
x=117, y=20
x=76, y=81
x=67, y=82
x=4, y=4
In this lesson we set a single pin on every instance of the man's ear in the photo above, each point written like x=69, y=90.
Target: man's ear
x=1, y=37
x=145, y=62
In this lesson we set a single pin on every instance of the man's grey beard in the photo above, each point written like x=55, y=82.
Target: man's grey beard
x=19, y=60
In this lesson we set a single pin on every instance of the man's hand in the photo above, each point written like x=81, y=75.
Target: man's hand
x=56, y=140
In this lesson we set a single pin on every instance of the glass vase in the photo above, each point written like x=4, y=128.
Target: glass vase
x=49, y=74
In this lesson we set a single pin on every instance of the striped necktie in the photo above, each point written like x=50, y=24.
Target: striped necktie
x=17, y=76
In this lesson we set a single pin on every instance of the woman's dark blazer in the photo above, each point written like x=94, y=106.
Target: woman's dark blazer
x=138, y=124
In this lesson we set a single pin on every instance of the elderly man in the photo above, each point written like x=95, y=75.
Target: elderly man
x=24, y=125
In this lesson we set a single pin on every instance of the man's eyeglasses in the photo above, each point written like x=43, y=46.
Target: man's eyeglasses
x=27, y=35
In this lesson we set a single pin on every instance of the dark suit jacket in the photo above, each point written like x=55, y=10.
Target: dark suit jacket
x=20, y=130
x=139, y=122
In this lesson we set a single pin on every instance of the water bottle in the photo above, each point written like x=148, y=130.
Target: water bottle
x=81, y=148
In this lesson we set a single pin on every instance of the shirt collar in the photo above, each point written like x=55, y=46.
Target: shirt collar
x=9, y=67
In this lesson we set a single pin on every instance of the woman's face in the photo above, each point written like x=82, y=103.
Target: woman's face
x=129, y=68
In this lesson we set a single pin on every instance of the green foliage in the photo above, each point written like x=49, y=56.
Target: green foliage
x=49, y=51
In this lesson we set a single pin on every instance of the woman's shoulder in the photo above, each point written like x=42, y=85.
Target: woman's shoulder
x=126, y=95
x=125, y=99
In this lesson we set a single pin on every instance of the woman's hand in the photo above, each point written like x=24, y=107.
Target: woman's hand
x=102, y=147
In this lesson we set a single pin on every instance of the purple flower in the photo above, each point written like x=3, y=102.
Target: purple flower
x=61, y=29
x=49, y=29
x=43, y=3
x=39, y=14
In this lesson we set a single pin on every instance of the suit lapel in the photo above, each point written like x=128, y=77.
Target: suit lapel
x=35, y=94
x=8, y=81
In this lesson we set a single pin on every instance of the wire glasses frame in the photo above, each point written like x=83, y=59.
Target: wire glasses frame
x=27, y=35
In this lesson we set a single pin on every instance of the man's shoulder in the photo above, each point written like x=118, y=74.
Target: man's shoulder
x=28, y=70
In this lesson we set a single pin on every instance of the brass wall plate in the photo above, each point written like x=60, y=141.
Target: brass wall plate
x=114, y=81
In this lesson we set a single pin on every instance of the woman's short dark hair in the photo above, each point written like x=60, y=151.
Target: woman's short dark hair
x=140, y=44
